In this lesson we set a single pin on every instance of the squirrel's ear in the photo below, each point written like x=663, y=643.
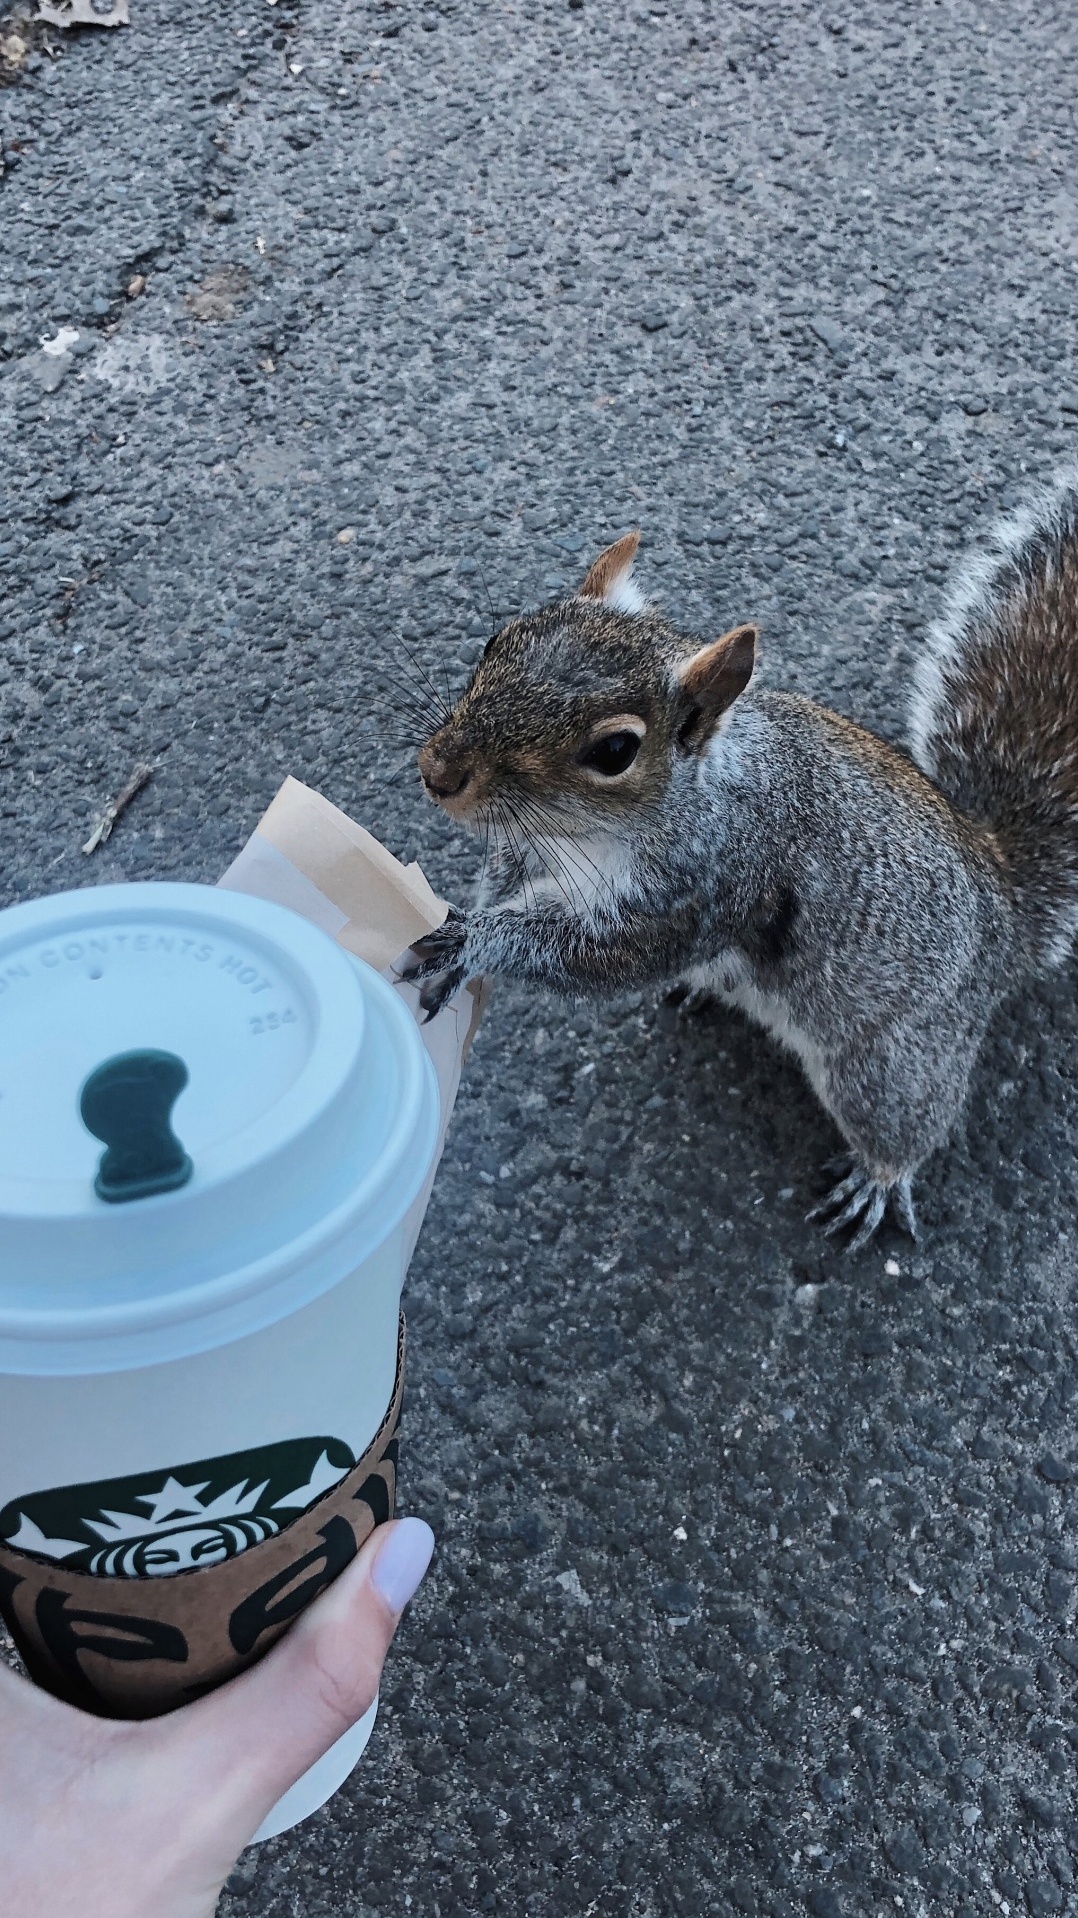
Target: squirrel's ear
x=711, y=680
x=610, y=578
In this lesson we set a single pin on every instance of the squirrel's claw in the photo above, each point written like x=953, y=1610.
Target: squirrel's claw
x=439, y=951
x=902, y=1206
x=860, y=1197
x=869, y=1226
x=860, y=1194
x=847, y=1188
x=438, y=991
x=438, y=967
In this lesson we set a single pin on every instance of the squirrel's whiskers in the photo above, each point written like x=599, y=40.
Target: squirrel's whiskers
x=417, y=691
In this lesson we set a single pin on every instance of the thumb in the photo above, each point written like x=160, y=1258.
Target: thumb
x=249, y=1741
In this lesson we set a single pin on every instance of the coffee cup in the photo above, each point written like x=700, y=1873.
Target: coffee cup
x=215, y=1127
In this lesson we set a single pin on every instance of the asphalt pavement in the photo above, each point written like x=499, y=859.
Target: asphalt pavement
x=368, y=322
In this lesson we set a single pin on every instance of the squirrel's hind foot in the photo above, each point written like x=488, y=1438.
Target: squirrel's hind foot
x=856, y=1197
x=862, y=1200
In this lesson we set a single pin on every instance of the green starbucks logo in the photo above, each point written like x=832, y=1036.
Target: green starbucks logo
x=154, y=1524
x=130, y=1596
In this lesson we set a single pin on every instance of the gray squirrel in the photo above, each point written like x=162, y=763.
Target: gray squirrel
x=652, y=816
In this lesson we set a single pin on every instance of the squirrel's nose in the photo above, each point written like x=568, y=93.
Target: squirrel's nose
x=441, y=779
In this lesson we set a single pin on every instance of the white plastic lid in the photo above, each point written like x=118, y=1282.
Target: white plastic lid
x=309, y=1117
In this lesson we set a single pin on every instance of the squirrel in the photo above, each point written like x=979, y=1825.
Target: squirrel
x=653, y=816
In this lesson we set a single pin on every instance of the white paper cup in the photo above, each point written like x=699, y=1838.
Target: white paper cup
x=198, y=1385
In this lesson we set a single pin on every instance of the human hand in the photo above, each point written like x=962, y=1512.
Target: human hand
x=103, y=1818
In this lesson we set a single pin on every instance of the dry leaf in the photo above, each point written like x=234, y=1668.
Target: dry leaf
x=220, y=293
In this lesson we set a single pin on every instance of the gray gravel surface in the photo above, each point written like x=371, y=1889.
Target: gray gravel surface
x=755, y=1591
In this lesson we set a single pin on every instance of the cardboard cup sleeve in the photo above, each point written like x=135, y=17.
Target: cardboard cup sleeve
x=132, y=1645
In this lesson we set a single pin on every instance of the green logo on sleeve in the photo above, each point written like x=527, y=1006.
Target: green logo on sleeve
x=155, y=1523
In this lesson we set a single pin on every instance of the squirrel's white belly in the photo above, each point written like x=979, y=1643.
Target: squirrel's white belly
x=728, y=978
x=590, y=873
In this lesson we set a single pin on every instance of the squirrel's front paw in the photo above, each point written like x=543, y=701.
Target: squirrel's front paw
x=440, y=966
x=440, y=950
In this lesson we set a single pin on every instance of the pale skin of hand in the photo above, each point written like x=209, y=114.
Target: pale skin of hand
x=121, y=1820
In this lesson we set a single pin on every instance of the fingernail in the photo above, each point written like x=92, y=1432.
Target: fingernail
x=398, y=1570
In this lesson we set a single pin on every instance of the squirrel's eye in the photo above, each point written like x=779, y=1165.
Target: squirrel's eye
x=611, y=755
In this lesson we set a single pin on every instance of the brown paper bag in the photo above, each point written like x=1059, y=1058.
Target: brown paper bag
x=307, y=854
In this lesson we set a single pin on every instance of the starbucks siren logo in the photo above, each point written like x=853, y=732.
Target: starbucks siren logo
x=154, y=1524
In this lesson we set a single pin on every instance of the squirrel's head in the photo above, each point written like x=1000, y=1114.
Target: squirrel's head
x=578, y=715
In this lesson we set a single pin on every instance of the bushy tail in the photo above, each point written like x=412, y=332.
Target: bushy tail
x=994, y=719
